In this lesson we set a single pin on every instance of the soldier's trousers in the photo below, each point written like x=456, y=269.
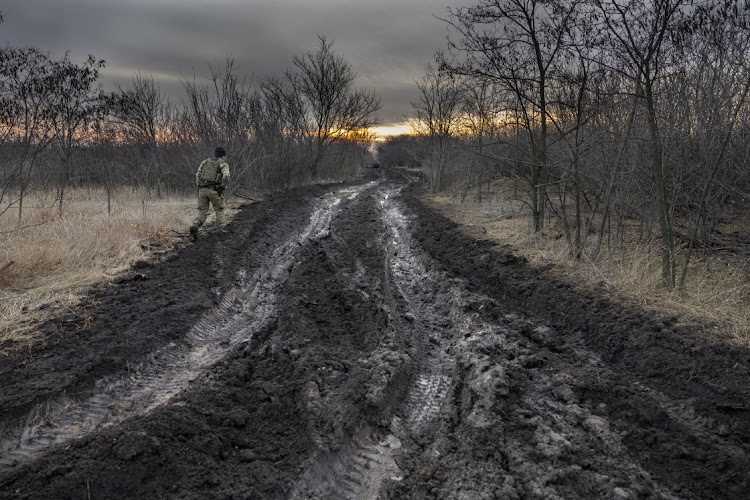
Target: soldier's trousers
x=206, y=195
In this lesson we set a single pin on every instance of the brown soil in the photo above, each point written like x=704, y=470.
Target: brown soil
x=349, y=341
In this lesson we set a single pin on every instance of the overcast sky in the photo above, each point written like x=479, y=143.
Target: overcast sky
x=388, y=42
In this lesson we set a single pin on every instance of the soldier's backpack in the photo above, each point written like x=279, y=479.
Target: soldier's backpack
x=209, y=173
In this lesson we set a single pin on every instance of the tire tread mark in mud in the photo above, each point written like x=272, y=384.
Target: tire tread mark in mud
x=355, y=472
x=362, y=466
x=357, y=466
x=407, y=269
x=481, y=382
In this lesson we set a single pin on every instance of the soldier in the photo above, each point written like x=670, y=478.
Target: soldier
x=212, y=178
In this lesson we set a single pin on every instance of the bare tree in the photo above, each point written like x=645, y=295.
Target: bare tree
x=717, y=75
x=279, y=123
x=616, y=127
x=334, y=107
x=515, y=43
x=437, y=118
x=27, y=87
x=481, y=115
x=76, y=106
x=575, y=97
x=640, y=36
x=104, y=159
x=141, y=112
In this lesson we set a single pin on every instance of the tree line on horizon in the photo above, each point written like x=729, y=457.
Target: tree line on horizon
x=615, y=120
x=59, y=129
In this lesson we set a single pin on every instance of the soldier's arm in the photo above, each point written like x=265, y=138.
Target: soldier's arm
x=198, y=174
x=224, y=174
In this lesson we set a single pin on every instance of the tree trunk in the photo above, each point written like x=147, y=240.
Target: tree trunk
x=660, y=187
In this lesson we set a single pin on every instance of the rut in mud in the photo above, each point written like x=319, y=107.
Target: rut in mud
x=348, y=342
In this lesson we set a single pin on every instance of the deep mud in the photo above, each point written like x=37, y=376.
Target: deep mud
x=347, y=341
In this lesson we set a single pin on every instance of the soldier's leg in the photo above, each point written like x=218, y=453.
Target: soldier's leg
x=218, y=202
x=203, y=199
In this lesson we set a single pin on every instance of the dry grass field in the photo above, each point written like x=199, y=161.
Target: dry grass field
x=56, y=258
x=716, y=294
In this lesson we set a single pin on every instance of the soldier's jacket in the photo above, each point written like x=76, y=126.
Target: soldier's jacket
x=212, y=173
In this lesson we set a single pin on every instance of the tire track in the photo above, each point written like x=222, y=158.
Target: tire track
x=357, y=471
x=362, y=466
x=429, y=310
x=355, y=466
x=479, y=363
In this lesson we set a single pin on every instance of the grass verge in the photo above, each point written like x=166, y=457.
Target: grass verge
x=56, y=257
x=715, y=296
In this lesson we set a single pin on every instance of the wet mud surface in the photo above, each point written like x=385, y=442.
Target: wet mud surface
x=347, y=341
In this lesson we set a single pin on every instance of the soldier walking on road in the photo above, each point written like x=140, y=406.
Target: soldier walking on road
x=212, y=178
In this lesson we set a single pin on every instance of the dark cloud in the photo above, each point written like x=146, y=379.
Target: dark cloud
x=388, y=42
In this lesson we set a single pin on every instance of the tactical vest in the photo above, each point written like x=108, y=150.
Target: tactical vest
x=209, y=173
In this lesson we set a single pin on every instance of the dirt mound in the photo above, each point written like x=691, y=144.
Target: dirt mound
x=348, y=342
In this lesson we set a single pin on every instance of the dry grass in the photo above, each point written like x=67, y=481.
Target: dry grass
x=716, y=292
x=57, y=258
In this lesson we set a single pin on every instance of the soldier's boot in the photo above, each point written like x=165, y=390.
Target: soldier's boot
x=193, y=232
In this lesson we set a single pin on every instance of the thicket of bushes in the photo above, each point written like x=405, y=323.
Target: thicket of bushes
x=612, y=118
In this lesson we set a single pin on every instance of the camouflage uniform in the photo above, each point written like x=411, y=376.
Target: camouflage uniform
x=212, y=178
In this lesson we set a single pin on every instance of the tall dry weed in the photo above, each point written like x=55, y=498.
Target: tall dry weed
x=57, y=257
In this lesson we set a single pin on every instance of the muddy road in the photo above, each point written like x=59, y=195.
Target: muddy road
x=346, y=341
